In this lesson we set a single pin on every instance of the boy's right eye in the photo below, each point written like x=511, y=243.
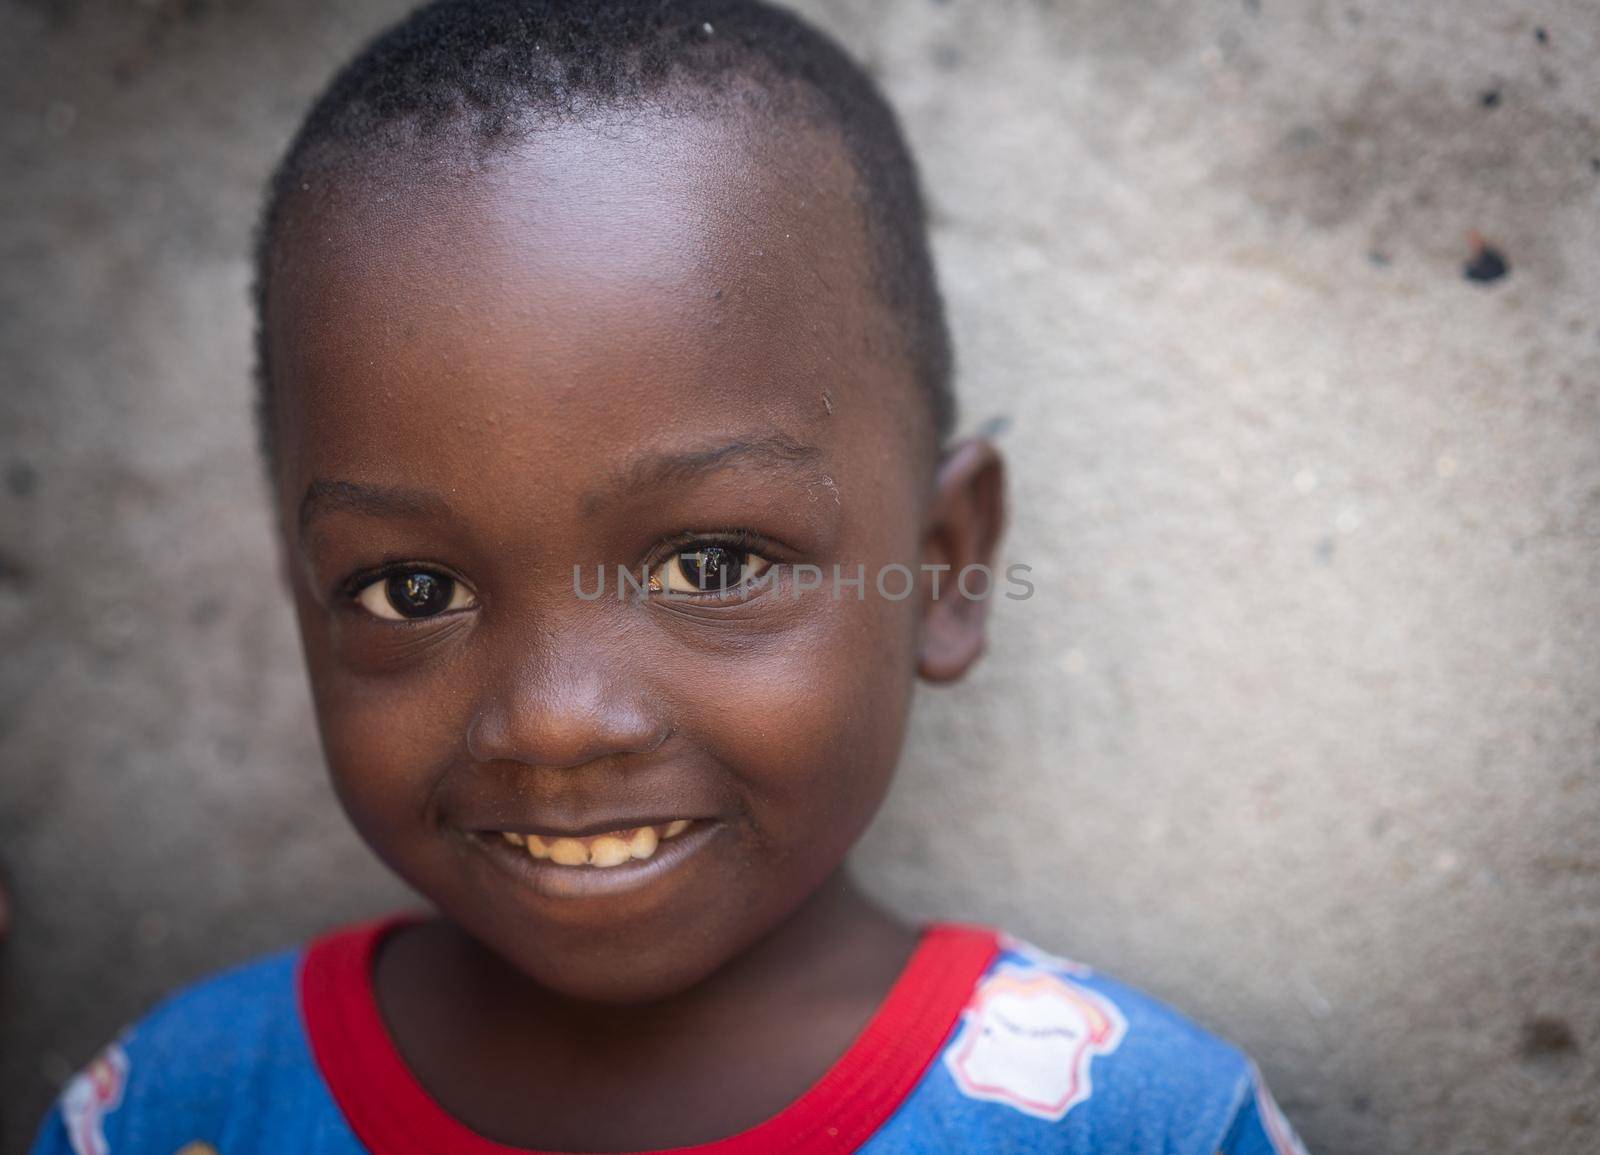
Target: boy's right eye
x=413, y=594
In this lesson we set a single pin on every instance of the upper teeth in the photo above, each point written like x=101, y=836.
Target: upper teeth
x=612, y=848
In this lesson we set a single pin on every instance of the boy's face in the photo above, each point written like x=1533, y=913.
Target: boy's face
x=613, y=347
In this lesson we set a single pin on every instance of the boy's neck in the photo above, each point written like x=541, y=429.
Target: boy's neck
x=464, y=1018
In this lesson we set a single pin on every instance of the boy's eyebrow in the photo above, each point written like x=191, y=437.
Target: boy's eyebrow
x=323, y=496
x=666, y=468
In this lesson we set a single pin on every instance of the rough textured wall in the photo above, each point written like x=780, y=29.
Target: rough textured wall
x=1302, y=728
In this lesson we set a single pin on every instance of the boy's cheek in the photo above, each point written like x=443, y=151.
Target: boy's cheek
x=817, y=728
x=383, y=739
x=383, y=763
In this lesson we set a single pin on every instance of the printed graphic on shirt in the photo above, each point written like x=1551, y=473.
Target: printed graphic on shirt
x=1028, y=1039
x=94, y=1093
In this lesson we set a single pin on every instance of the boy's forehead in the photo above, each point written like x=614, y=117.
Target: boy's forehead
x=689, y=272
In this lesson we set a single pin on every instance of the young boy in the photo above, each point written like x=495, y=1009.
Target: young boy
x=550, y=290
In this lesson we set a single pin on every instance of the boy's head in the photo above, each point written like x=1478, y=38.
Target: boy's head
x=460, y=83
x=554, y=285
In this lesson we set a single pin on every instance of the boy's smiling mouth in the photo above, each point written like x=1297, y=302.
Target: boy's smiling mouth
x=624, y=857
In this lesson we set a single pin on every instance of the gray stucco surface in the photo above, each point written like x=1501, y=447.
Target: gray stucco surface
x=1301, y=730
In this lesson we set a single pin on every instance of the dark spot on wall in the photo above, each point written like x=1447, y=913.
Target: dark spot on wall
x=1541, y=36
x=1253, y=7
x=1360, y=1104
x=1326, y=548
x=1487, y=264
x=21, y=479
x=1490, y=98
x=946, y=57
x=1393, y=157
x=13, y=574
x=1547, y=1041
x=1594, y=164
x=206, y=611
x=1378, y=259
x=1302, y=136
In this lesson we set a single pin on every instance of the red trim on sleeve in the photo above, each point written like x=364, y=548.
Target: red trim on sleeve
x=392, y=1114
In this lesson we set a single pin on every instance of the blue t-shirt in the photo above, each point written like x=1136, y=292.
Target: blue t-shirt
x=983, y=1044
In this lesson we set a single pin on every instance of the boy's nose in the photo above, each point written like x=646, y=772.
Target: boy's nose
x=566, y=713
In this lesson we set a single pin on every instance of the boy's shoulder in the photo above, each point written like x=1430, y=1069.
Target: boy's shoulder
x=1050, y=1054
x=1025, y=1051
x=1143, y=1037
x=224, y=1058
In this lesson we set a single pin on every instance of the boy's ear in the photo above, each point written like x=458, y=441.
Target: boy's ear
x=963, y=531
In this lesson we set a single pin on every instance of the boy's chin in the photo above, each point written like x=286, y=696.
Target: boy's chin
x=631, y=968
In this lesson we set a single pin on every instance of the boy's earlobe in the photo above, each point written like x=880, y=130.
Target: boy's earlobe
x=958, y=554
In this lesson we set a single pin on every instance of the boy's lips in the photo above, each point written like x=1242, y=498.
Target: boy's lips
x=608, y=861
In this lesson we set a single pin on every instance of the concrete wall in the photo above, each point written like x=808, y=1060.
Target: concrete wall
x=1302, y=730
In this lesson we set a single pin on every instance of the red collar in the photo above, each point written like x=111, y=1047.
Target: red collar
x=392, y=1114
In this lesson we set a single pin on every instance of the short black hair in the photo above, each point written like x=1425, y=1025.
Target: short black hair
x=474, y=73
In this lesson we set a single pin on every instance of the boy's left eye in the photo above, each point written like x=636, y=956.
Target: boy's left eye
x=709, y=569
x=410, y=595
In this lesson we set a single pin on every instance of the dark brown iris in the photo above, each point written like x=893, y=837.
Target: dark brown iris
x=419, y=594
x=713, y=568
